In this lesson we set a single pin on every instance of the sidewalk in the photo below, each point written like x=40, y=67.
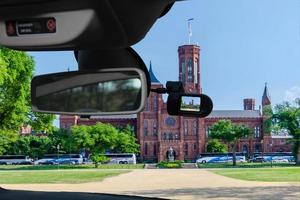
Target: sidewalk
x=177, y=184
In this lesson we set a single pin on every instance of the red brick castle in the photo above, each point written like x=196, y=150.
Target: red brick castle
x=157, y=131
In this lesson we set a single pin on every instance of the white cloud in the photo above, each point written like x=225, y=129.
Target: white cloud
x=292, y=94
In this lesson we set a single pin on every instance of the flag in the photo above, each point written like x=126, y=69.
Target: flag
x=190, y=27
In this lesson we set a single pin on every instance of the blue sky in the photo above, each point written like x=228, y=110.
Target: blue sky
x=243, y=45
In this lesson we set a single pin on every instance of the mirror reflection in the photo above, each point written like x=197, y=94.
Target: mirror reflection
x=190, y=103
x=114, y=95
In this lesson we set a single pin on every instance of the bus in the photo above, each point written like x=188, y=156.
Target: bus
x=48, y=159
x=74, y=159
x=15, y=160
x=120, y=158
x=52, y=159
x=275, y=157
x=220, y=157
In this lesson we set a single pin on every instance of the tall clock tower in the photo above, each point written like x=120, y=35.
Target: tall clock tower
x=189, y=68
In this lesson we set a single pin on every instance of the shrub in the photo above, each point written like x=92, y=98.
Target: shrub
x=170, y=165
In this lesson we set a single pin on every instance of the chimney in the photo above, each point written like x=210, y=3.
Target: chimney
x=249, y=104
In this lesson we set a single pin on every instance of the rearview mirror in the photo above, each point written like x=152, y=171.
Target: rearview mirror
x=107, y=91
x=190, y=105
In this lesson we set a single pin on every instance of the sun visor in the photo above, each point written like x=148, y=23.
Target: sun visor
x=77, y=24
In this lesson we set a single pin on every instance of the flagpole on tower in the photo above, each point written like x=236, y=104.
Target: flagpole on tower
x=190, y=31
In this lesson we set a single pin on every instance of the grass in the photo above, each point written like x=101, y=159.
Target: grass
x=55, y=167
x=244, y=165
x=291, y=174
x=61, y=176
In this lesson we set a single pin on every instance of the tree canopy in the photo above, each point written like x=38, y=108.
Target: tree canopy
x=229, y=133
x=16, y=73
x=101, y=137
x=287, y=116
x=216, y=146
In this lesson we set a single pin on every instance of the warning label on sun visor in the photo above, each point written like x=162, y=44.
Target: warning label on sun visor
x=30, y=26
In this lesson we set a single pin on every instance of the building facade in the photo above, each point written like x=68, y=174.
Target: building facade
x=157, y=131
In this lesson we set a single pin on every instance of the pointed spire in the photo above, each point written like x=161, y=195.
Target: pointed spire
x=266, y=99
x=152, y=75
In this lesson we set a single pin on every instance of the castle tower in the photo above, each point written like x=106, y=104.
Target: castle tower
x=189, y=68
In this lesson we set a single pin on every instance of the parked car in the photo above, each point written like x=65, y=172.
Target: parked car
x=258, y=159
x=46, y=160
x=3, y=163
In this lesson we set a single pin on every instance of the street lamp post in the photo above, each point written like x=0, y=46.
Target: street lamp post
x=262, y=148
x=58, y=147
x=271, y=156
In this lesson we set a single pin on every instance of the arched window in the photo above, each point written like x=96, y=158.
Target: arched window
x=186, y=149
x=257, y=131
x=257, y=148
x=146, y=149
x=165, y=136
x=155, y=103
x=145, y=128
x=154, y=150
x=146, y=106
x=194, y=146
x=154, y=127
x=196, y=61
x=207, y=131
x=195, y=127
x=190, y=70
x=245, y=149
x=183, y=71
x=185, y=127
x=170, y=136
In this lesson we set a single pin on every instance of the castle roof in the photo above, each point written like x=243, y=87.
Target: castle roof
x=152, y=75
x=266, y=96
x=235, y=114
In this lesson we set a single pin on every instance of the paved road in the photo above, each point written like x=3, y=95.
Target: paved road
x=177, y=184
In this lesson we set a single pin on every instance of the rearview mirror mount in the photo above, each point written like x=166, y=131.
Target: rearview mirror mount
x=180, y=103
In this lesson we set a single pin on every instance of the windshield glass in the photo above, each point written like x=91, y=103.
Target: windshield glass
x=244, y=54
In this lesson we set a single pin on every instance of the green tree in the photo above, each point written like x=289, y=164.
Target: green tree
x=97, y=138
x=268, y=120
x=16, y=73
x=230, y=134
x=63, y=138
x=33, y=146
x=41, y=122
x=101, y=137
x=7, y=140
x=287, y=116
x=97, y=158
x=126, y=142
x=216, y=146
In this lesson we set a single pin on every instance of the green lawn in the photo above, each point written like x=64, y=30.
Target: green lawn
x=55, y=167
x=291, y=174
x=61, y=176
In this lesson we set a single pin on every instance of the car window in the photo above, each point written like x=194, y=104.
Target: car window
x=243, y=54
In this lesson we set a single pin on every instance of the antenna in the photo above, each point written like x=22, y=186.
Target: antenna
x=190, y=31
